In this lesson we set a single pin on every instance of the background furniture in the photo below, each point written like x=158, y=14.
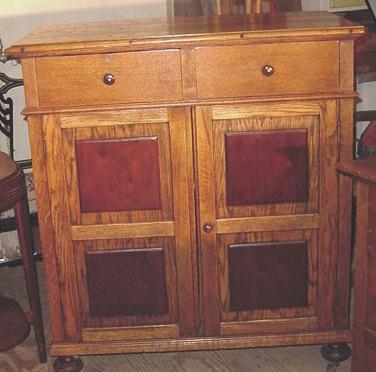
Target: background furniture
x=194, y=7
x=203, y=211
x=11, y=256
x=13, y=325
x=363, y=172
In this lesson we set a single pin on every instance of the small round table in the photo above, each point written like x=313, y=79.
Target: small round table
x=14, y=326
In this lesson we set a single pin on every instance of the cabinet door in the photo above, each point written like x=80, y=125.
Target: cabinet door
x=267, y=216
x=121, y=200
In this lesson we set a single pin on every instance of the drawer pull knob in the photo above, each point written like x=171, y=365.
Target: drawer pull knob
x=268, y=70
x=208, y=228
x=109, y=79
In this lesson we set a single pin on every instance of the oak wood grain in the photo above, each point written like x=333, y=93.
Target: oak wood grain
x=111, y=36
x=193, y=82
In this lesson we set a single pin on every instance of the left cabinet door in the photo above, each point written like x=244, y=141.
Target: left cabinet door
x=120, y=200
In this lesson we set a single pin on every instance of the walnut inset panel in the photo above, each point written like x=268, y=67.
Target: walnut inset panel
x=131, y=282
x=266, y=167
x=268, y=275
x=118, y=175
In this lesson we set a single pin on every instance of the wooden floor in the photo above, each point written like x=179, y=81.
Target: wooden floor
x=24, y=358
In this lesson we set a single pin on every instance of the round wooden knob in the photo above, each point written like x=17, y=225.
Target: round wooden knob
x=268, y=70
x=109, y=79
x=208, y=228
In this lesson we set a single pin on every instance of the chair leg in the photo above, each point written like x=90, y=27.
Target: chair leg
x=25, y=237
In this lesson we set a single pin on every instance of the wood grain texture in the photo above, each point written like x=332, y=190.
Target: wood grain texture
x=267, y=275
x=272, y=359
x=346, y=153
x=113, y=36
x=196, y=82
x=266, y=167
x=207, y=241
x=118, y=175
x=328, y=242
x=267, y=223
x=60, y=218
x=184, y=221
x=30, y=84
x=131, y=230
x=46, y=231
x=263, y=320
x=362, y=173
x=167, y=331
x=221, y=72
x=110, y=248
x=127, y=282
x=160, y=71
x=259, y=119
x=97, y=126
x=208, y=343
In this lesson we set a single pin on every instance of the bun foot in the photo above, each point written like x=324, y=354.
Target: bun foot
x=68, y=364
x=335, y=354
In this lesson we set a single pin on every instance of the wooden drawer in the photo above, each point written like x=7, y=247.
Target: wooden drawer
x=236, y=71
x=145, y=76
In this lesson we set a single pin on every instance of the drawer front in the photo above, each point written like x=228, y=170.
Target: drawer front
x=145, y=76
x=249, y=70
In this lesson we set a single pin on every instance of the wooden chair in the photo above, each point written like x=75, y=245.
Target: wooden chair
x=238, y=6
x=195, y=7
x=14, y=323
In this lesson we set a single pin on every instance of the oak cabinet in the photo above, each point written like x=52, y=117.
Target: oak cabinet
x=186, y=182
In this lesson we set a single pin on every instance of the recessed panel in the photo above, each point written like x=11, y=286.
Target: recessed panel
x=266, y=167
x=122, y=283
x=118, y=175
x=268, y=275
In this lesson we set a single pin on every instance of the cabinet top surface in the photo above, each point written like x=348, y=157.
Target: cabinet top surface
x=112, y=36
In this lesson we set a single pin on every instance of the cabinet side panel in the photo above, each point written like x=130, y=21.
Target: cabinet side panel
x=46, y=229
x=328, y=243
x=30, y=82
x=60, y=217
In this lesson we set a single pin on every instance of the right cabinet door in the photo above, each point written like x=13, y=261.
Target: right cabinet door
x=267, y=196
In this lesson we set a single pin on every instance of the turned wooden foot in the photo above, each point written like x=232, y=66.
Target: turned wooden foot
x=335, y=354
x=68, y=364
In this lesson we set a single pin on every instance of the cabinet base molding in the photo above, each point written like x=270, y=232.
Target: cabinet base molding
x=195, y=344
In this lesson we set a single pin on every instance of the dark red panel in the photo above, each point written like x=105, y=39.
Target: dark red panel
x=265, y=167
x=118, y=175
x=268, y=275
x=122, y=283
